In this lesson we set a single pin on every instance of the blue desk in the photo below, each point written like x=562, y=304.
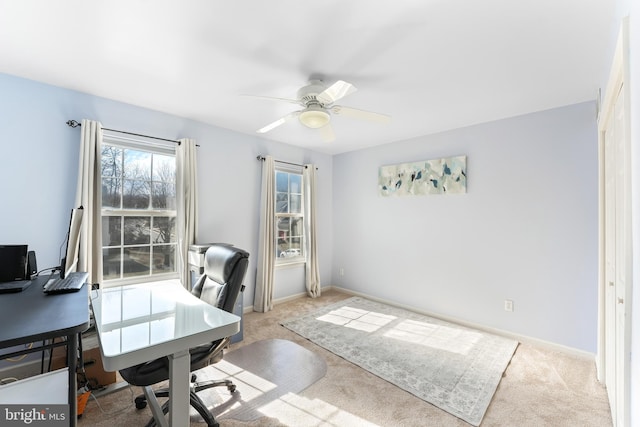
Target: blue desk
x=36, y=317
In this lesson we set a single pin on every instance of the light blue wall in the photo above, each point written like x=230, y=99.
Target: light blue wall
x=526, y=230
x=40, y=161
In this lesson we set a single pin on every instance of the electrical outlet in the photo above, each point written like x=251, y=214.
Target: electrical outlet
x=342, y=271
x=508, y=305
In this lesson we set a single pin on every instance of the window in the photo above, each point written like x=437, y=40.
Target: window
x=138, y=212
x=289, y=217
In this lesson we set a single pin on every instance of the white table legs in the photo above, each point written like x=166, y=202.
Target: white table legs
x=155, y=407
x=179, y=376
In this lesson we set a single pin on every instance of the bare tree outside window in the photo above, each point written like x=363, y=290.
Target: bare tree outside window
x=111, y=161
x=138, y=212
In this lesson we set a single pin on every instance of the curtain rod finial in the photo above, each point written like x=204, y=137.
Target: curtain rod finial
x=73, y=123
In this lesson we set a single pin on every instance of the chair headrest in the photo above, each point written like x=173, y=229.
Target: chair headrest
x=220, y=262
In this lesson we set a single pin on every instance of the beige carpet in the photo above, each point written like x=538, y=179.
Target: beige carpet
x=539, y=388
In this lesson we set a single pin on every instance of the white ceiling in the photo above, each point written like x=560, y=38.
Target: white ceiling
x=432, y=65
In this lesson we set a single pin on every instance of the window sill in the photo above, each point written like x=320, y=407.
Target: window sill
x=140, y=281
x=290, y=264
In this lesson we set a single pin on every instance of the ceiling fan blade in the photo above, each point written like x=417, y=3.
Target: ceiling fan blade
x=360, y=114
x=336, y=91
x=279, y=122
x=326, y=133
x=272, y=98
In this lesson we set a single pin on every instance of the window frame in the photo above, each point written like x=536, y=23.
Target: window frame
x=300, y=259
x=153, y=147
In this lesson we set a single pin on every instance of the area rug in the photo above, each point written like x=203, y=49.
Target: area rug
x=263, y=372
x=452, y=367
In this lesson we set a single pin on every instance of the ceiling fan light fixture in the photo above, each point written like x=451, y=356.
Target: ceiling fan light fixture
x=314, y=117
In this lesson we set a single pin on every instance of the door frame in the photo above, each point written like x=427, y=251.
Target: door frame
x=618, y=80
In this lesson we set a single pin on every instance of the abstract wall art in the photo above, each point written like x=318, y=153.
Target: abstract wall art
x=438, y=176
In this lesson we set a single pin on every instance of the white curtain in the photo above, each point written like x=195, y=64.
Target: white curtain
x=89, y=196
x=312, y=270
x=187, y=200
x=263, y=298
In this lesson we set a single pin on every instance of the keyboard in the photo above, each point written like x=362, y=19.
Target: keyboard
x=73, y=282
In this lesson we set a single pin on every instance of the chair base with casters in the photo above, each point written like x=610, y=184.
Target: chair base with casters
x=194, y=399
x=201, y=357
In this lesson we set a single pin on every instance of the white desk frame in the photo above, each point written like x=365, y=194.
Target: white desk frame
x=139, y=323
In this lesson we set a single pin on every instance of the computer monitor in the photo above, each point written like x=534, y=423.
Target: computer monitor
x=13, y=263
x=70, y=261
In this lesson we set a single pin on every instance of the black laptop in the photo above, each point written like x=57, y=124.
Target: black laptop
x=13, y=268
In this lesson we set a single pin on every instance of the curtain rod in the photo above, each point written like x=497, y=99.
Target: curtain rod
x=262, y=158
x=75, y=124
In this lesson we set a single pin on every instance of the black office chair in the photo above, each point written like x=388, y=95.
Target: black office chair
x=220, y=285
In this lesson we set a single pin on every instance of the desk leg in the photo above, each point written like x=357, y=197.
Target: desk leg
x=179, y=375
x=72, y=348
x=155, y=407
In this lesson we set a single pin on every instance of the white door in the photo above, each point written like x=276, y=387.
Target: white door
x=610, y=262
x=614, y=345
x=623, y=255
x=617, y=258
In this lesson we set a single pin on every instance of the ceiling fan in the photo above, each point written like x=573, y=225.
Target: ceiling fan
x=318, y=102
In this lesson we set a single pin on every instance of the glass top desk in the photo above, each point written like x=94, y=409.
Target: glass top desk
x=139, y=323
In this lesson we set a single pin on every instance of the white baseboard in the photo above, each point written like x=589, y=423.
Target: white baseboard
x=507, y=334
x=249, y=309
x=585, y=355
